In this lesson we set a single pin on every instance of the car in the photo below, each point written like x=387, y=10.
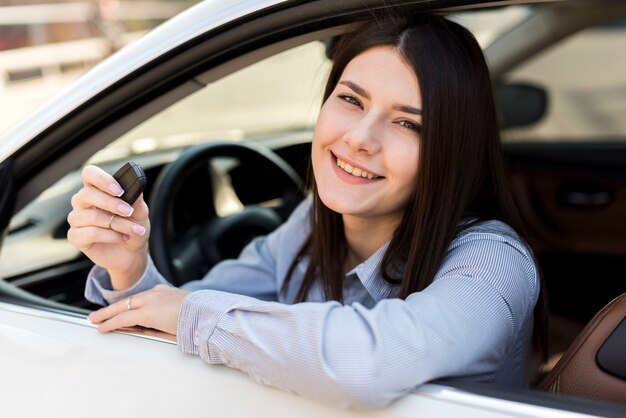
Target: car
x=217, y=105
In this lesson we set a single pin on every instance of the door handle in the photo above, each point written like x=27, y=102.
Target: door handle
x=585, y=198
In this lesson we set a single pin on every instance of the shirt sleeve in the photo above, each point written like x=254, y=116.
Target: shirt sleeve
x=256, y=272
x=464, y=323
x=251, y=274
x=100, y=291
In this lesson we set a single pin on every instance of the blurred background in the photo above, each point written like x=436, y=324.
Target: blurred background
x=47, y=44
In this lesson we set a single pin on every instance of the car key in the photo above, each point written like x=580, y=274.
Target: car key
x=132, y=179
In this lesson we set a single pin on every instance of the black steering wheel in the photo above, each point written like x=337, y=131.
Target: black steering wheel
x=194, y=224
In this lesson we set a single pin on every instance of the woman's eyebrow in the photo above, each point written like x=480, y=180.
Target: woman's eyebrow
x=361, y=92
x=357, y=89
x=408, y=109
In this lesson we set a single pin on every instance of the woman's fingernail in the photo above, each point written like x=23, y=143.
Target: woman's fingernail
x=125, y=209
x=138, y=229
x=116, y=189
x=125, y=237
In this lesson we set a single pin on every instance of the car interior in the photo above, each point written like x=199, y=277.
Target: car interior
x=560, y=95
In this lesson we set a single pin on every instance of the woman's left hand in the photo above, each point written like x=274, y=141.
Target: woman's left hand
x=156, y=308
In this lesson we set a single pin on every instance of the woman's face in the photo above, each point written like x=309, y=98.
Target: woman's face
x=366, y=140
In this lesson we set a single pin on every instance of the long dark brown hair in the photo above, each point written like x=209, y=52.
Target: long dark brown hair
x=461, y=173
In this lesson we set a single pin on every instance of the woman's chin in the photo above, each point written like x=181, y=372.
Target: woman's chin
x=347, y=206
x=337, y=204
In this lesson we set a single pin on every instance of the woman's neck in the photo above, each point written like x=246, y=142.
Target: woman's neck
x=364, y=236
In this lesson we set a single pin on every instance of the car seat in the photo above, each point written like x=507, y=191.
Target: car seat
x=594, y=366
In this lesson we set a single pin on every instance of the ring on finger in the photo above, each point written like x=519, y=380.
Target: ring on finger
x=129, y=303
x=110, y=222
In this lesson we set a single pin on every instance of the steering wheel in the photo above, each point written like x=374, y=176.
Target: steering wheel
x=192, y=225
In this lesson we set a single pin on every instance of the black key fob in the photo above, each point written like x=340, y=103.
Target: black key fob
x=132, y=179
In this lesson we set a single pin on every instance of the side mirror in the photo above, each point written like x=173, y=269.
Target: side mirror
x=519, y=104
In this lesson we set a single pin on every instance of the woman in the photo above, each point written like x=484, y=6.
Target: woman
x=409, y=261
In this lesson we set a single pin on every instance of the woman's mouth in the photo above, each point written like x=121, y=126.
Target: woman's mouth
x=355, y=171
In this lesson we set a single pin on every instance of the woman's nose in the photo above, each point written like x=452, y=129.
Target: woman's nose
x=363, y=135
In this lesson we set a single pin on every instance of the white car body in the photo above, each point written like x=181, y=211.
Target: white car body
x=55, y=363
x=47, y=354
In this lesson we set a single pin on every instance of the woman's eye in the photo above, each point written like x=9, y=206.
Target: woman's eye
x=410, y=125
x=350, y=99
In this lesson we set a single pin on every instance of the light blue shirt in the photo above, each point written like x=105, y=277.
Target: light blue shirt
x=474, y=321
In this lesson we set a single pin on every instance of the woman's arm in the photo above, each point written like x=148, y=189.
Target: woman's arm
x=463, y=324
x=466, y=323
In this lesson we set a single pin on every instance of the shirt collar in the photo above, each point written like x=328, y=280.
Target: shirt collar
x=368, y=272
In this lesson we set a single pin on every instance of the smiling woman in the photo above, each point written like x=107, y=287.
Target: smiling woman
x=426, y=238
x=361, y=131
x=232, y=75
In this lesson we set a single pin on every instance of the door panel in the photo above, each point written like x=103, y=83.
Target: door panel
x=573, y=199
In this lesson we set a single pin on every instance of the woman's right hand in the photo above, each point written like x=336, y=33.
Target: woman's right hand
x=110, y=232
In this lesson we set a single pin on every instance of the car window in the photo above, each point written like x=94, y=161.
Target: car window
x=278, y=95
x=585, y=78
x=275, y=99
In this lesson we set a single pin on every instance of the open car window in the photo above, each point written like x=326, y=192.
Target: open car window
x=275, y=100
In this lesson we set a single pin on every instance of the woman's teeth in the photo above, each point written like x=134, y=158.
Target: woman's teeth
x=355, y=171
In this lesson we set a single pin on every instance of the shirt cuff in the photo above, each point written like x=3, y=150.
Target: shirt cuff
x=100, y=291
x=198, y=319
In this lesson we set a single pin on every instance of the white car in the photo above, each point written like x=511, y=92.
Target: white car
x=221, y=84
